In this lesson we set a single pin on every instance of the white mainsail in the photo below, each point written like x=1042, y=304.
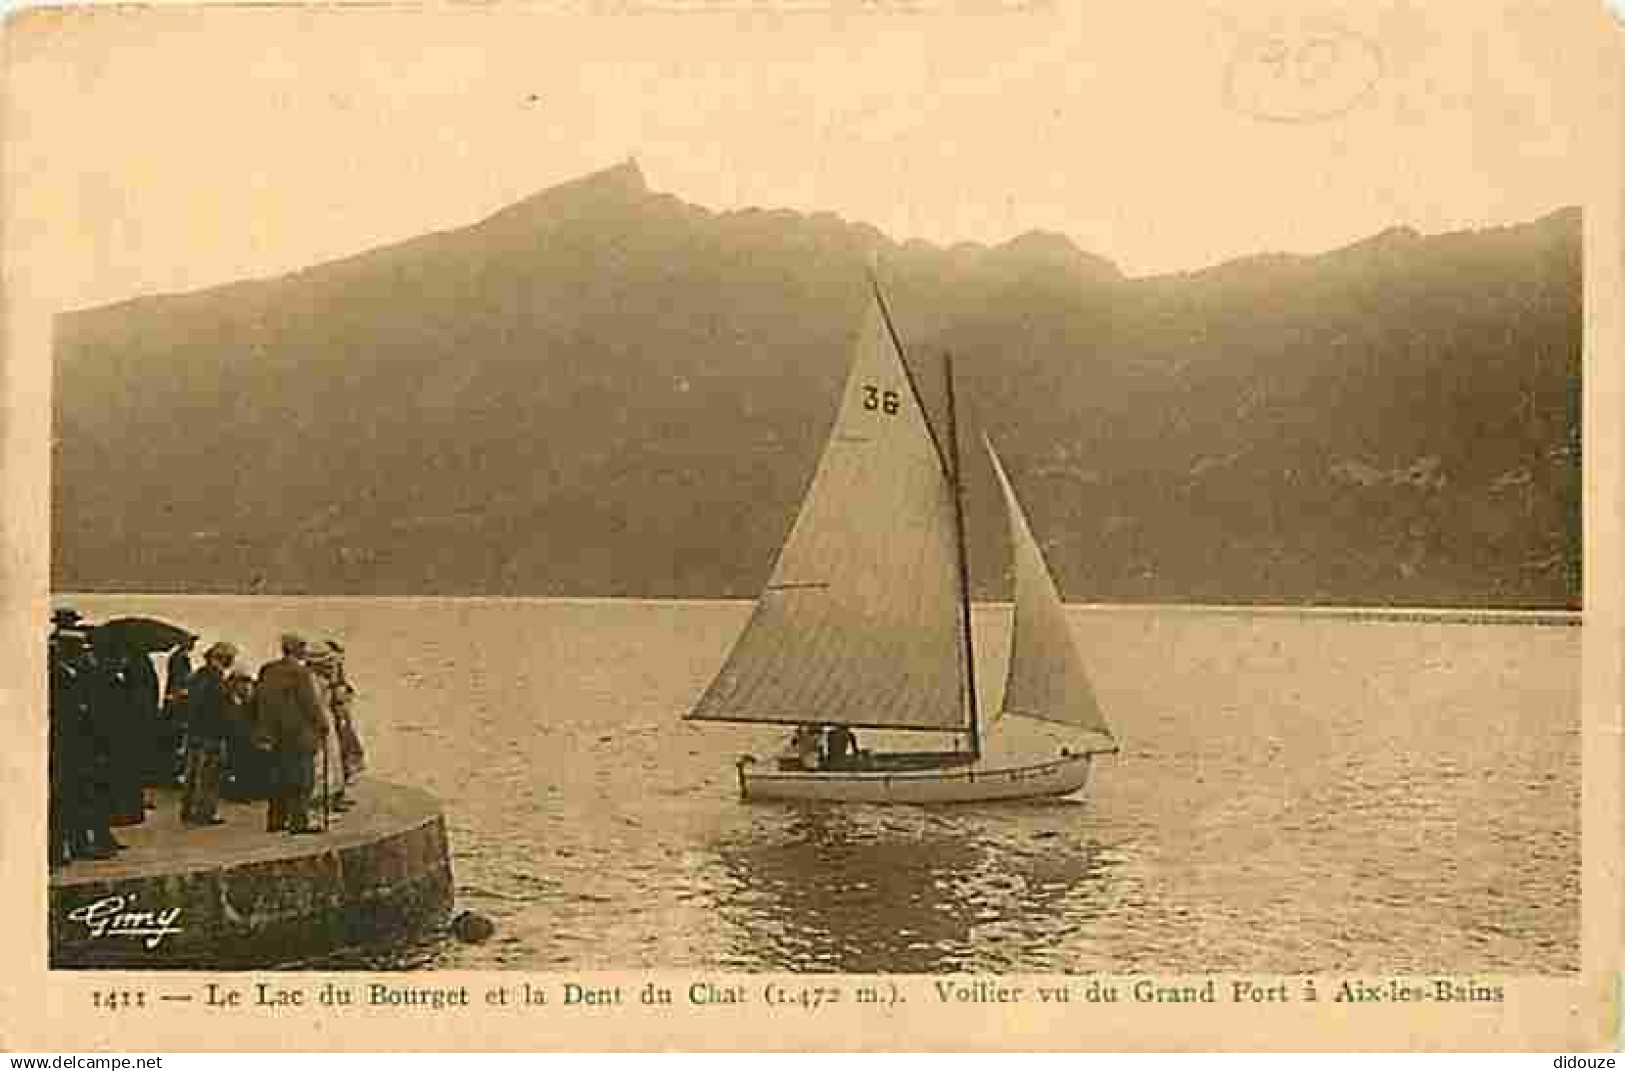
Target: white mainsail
x=859, y=624
x=1047, y=679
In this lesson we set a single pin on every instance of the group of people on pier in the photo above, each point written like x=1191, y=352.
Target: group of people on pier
x=212, y=729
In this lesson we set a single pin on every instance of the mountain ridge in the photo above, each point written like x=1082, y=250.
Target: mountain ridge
x=602, y=389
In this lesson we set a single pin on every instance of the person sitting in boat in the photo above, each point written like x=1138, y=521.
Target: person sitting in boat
x=802, y=753
x=840, y=748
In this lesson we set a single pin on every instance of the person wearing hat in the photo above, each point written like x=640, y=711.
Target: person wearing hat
x=247, y=768
x=177, y=684
x=352, y=756
x=326, y=662
x=319, y=660
x=77, y=816
x=206, y=730
x=124, y=713
x=293, y=725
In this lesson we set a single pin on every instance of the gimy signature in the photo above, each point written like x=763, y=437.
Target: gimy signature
x=111, y=916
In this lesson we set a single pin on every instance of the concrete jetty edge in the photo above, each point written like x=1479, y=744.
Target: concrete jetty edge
x=236, y=897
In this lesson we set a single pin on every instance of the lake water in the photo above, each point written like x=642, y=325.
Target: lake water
x=1295, y=794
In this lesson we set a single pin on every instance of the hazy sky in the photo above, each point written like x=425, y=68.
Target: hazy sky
x=168, y=149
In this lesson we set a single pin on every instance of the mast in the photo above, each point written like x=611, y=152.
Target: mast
x=964, y=567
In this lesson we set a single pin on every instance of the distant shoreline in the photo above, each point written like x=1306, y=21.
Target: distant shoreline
x=1380, y=614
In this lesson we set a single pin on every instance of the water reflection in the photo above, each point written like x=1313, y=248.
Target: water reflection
x=859, y=890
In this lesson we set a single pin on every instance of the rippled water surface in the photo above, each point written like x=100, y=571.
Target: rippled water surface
x=1294, y=794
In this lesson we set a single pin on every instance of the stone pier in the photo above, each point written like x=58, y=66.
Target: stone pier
x=233, y=896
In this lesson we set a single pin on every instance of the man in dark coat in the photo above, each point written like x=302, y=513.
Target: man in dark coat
x=292, y=722
x=81, y=750
x=177, y=683
x=68, y=818
x=156, y=760
x=207, y=727
x=247, y=769
x=122, y=726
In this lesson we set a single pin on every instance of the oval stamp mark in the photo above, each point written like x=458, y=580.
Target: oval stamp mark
x=1302, y=75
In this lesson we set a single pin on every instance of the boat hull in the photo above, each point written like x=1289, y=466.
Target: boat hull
x=958, y=784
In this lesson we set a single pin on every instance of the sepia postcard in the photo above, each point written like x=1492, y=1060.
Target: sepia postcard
x=813, y=524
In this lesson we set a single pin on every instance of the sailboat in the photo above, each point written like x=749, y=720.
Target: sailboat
x=865, y=621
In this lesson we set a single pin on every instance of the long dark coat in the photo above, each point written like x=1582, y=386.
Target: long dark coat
x=206, y=706
x=123, y=724
x=290, y=716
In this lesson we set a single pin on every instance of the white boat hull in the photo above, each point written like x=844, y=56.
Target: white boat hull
x=951, y=784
